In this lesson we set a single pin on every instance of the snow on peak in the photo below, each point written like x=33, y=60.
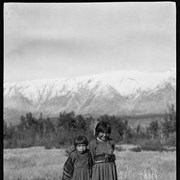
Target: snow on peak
x=125, y=82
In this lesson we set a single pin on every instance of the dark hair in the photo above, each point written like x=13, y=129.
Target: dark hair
x=103, y=126
x=80, y=140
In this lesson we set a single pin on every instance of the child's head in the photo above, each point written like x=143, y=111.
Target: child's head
x=80, y=143
x=103, y=130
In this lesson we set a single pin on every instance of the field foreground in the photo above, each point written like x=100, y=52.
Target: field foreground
x=37, y=163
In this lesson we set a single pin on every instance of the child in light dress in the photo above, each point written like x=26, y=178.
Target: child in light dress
x=102, y=149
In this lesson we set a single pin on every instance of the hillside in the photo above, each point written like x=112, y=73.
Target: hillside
x=113, y=93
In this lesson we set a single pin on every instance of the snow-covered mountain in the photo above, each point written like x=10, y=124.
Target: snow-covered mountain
x=117, y=93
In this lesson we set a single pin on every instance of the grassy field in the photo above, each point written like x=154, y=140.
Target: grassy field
x=38, y=163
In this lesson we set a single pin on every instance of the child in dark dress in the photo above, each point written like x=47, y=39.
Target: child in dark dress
x=78, y=166
x=102, y=153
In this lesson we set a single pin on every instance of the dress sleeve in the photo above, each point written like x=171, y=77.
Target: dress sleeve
x=92, y=149
x=68, y=168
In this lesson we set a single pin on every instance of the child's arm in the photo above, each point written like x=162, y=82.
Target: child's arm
x=90, y=163
x=68, y=169
x=112, y=142
x=92, y=149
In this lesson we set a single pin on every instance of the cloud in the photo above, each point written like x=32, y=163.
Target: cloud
x=89, y=36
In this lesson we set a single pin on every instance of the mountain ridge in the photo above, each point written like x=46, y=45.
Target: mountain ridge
x=117, y=93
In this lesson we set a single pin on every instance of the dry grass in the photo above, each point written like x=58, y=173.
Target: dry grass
x=146, y=165
x=33, y=163
x=40, y=164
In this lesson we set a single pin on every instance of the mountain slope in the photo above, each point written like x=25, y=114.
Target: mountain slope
x=115, y=93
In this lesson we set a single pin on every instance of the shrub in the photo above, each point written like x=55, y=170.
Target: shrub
x=58, y=146
x=151, y=145
x=23, y=144
x=119, y=148
x=171, y=140
x=48, y=146
x=135, y=149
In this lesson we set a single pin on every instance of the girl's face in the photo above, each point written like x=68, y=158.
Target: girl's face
x=81, y=147
x=103, y=136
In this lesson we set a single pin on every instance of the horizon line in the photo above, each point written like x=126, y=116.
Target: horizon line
x=83, y=76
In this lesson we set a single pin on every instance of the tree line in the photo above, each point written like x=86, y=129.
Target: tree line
x=42, y=131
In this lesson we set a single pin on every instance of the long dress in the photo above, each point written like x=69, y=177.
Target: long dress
x=105, y=170
x=77, y=166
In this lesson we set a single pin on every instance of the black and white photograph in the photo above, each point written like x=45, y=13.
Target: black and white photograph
x=89, y=91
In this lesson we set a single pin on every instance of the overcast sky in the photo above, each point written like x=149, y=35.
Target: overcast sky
x=54, y=40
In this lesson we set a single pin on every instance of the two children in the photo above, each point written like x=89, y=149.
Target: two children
x=97, y=163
